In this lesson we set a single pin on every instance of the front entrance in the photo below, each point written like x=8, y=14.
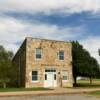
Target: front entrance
x=50, y=78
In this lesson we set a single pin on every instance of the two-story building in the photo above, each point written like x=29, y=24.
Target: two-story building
x=44, y=63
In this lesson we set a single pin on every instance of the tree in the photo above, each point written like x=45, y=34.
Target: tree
x=93, y=69
x=83, y=63
x=7, y=71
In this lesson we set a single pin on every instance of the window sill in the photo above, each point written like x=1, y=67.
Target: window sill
x=35, y=81
x=64, y=80
x=37, y=59
x=61, y=60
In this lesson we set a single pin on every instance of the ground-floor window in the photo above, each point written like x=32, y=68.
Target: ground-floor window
x=34, y=75
x=64, y=75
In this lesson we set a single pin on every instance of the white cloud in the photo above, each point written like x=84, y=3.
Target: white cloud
x=13, y=31
x=50, y=6
x=92, y=44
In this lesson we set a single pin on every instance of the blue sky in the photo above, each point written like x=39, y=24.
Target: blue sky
x=51, y=19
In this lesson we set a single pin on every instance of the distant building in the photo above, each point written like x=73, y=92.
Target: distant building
x=44, y=63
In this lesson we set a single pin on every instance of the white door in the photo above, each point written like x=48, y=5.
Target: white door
x=50, y=79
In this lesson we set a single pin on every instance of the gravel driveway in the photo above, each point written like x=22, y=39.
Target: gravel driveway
x=64, y=97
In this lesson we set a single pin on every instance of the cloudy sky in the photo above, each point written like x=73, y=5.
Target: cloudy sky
x=51, y=19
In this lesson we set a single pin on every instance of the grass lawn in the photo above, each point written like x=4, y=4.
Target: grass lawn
x=22, y=89
x=80, y=84
x=86, y=83
x=96, y=93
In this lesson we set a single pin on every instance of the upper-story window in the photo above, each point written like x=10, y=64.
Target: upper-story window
x=61, y=55
x=38, y=53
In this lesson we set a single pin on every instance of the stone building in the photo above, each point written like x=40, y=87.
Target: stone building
x=44, y=63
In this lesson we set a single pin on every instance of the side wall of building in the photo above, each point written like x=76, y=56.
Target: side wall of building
x=19, y=61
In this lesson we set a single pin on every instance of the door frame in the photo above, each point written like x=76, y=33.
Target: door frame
x=47, y=72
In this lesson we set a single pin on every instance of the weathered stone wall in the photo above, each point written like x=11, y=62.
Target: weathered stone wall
x=19, y=61
x=49, y=59
x=26, y=61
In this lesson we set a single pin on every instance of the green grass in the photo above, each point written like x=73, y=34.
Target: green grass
x=86, y=83
x=96, y=93
x=22, y=89
x=96, y=81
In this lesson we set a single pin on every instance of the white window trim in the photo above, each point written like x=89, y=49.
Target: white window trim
x=65, y=75
x=35, y=81
x=65, y=80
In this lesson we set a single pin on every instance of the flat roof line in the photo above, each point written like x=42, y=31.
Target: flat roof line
x=48, y=39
